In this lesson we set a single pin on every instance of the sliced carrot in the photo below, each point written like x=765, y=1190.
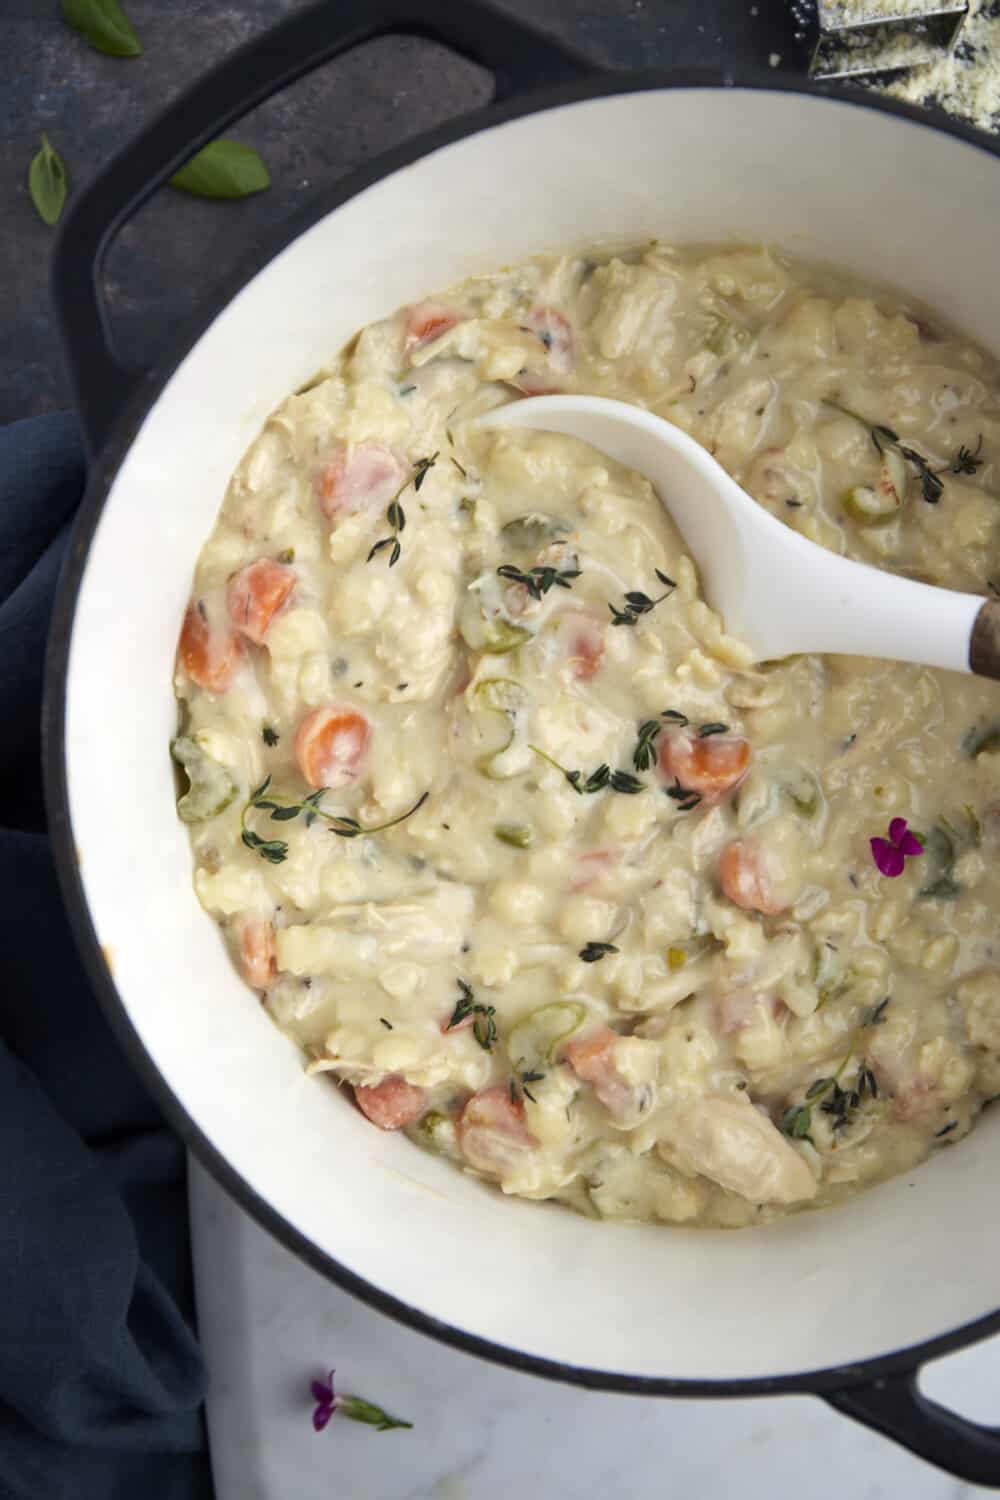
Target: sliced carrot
x=713, y=767
x=255, y=595
x=426, y=322
x=584, y=639
x=392, y=1103
x=258, y=961
x=491, y=1131
x=209, y=654
x=364, y=477
x=747, y=880
x=330, y=745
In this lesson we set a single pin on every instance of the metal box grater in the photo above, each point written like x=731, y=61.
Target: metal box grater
x=855, y=37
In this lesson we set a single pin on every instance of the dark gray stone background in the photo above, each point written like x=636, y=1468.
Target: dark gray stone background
x=168, y=260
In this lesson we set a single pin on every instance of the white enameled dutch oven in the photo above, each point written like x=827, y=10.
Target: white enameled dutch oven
x=846, y=1304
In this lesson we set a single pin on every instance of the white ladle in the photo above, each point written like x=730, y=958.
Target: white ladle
x=776, y=591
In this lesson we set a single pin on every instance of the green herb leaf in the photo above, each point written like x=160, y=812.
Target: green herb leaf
x=518, y=835
x=875, y=1014
x=797, y=1122
x=538, y=581
x=818, y=1087
x=966, y=460
x=420, y=470
x=638, y=603
x=705, y=730
x=592, y=953
x=484, y=1026
x=47, y=183
x=624, y=781
x=685, y=798
x=275, y=850
x=269, y=736
x=644, y=754
x=104, y=25
x=223, y=169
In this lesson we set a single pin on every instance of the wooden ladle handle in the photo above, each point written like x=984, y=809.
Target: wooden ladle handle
x=984, y=643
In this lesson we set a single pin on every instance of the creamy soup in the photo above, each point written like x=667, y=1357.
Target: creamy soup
x=515, y=841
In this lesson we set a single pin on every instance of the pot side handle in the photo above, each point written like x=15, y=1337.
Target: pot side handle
x=519, y=57
x=895, y=1407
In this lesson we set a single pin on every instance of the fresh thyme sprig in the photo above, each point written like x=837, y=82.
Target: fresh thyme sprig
x=284, y=810
x=618, y=781
x=484, y=1026
x=965, y=461
x=538, y=581
x=638, y=604
x=396, y=515
x=828, y=1092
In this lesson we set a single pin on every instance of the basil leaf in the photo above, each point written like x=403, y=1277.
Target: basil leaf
x=47, y=182
x=223, y=169
x=104, y=25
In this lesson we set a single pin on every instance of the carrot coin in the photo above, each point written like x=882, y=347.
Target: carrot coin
x=256, y=594
x=713, y=767
x=330, y=745
x=209, y=654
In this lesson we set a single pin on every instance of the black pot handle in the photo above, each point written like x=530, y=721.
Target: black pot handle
x=894, y=1406
x=519, y=57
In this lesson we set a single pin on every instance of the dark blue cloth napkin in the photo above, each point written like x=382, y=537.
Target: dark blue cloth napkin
x=101, y=1382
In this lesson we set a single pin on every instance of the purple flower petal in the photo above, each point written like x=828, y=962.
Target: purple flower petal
x=322, y=1394
x=322, y=1415
x=910, y=844
x=889, y=859
x=897, y=831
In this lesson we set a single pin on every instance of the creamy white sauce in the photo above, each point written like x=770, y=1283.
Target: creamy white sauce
x=724, y=1054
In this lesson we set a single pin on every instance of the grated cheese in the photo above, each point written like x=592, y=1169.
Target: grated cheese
x=966, y=82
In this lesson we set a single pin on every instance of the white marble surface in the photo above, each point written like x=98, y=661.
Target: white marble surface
x=269, y=1325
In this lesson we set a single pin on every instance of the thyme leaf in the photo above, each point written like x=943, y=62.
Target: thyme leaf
x=269, y=736
x=592, y=953
x=520, y=1081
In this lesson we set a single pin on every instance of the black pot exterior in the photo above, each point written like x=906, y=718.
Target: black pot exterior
x=532, y=72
